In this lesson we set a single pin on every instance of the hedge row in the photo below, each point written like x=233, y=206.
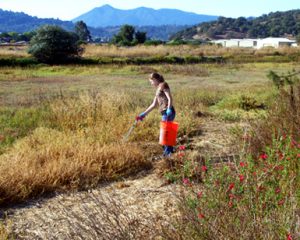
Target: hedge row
x=28, y=61
x=23, y=62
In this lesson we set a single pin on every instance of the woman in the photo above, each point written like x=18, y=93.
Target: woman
x=163, y=99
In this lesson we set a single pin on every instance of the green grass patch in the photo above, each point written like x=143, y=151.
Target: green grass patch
x=16, y=123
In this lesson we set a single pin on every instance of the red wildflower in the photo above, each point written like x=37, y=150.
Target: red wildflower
x=242, y=178
x=242, y=164
x=293, y=143
x=281, y=202
x=298, y=155
x=199, y=194
x=263, y=156
x=289, y=237
x=281, y=156
x=284, y=136
x=186, y=181
x=231, y=186
x=230, y=204
x=181, y=147
x=231, y=196
x=279, y=167
x=277, y=190
x=201, y=216
x=204, y=168
x=2, y=138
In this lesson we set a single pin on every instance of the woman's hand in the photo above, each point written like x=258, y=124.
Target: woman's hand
x=141, y=116
x=169, y=112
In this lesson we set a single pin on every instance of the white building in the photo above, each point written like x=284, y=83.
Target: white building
x=256, y=43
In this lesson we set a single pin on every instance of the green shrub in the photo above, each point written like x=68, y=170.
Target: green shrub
x=52, y=44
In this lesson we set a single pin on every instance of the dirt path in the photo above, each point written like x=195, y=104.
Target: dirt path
x=111, y=211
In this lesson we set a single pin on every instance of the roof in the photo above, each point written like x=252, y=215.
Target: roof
x=278, y=39
x=273, y=39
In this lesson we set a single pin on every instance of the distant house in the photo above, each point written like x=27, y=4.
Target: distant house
x=5, y=39
x=256, y=43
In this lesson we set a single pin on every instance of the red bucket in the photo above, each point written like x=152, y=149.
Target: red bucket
x=168, y=133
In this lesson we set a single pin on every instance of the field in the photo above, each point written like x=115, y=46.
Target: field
x=62, y=127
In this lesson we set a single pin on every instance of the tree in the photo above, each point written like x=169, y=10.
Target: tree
x=140, y=37
x=124, y=36
x=82, y=31
x=128, y=37
x=29, y=35
x=127, y=32
x=298, y=38
x=52, y=44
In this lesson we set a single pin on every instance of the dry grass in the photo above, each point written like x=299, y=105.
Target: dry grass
x=95, y=51
x=13, y=51
x=96, y=214
x=92, y=50
x=4, y=232
x=50, y=160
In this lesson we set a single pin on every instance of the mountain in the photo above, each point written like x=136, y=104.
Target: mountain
x=274, y=24
x=142, y=16
x=21, y=22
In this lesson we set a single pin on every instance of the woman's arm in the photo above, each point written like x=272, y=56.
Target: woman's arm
x=152, y=106
x=169, y=97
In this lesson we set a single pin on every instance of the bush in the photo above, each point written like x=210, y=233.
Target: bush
x=22, y=62
x=153, y=42
x=283, y=118
x=52, y=44
x=252, y=198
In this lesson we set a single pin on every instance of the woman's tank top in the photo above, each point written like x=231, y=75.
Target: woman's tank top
x=161, y=96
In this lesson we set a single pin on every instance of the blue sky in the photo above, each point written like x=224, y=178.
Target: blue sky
x=69, y=9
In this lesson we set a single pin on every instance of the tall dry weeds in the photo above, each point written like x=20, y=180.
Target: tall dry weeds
x=283, y=119
x=50, y=160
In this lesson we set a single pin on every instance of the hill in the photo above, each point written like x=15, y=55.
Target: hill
x=142, y=16
x=21, y=22
x=153, y=32
x=274, y=24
